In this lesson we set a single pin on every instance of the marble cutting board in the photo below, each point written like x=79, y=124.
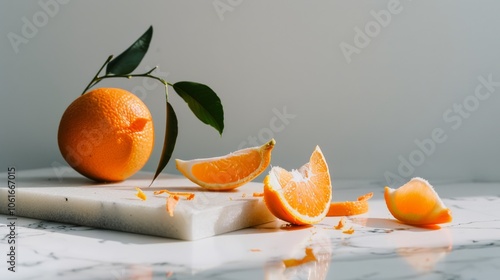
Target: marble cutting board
x=63, y=195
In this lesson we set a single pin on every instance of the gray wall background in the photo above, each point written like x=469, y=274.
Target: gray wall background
x=408, y=96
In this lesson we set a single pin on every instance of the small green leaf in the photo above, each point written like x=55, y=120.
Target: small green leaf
x=128, y=60
x=169, y=141
x=204, y=103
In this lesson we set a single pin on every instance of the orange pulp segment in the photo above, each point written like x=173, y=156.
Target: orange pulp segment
x=417, y=203
x=172, y=201
x=350, y=208
x=348, y=231
x=301, y=196
x=229, y=171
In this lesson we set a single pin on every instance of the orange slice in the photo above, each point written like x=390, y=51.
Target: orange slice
x=173, y=199
x=417, y=203
x=229, y=171
x=301, y=196
x=350, y=208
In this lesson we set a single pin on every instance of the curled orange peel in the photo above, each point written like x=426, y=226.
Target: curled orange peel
x=140, y=194
x=341, y=224
x=187, y=195
x=172, y=201
x=350, y=208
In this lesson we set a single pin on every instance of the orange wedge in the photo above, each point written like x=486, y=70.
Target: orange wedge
x=301, y=196
x=417, y=203
x=350, y=208
x=229, y=171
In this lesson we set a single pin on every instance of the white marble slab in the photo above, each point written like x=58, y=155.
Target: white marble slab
x=380, y=247
x=74, y=199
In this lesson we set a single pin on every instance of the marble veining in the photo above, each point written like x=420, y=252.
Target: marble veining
x=380, y=247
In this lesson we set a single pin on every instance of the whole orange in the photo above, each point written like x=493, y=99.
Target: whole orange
x=106, y=134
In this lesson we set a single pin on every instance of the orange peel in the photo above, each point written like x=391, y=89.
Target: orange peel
x=140, y=194
x=350, y=208
x=187, y=195
x=230, y=171
x=256, y=194
x=348, y=231
x=172, y=201
x=341, y=224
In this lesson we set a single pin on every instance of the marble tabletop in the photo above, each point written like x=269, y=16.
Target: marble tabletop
x=379, y=248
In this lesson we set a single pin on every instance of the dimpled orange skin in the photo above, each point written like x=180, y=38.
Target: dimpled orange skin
x=106, y=134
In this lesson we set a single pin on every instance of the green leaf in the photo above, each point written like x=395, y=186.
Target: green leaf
x=169, y=141
x=128, y=60
x=204, y=103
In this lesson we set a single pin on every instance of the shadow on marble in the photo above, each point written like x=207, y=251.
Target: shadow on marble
x=390, y=225
x=271, y=227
